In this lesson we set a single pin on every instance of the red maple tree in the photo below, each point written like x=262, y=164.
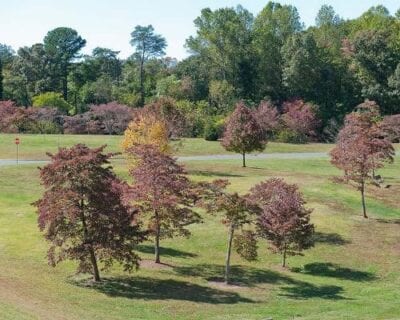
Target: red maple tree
x=163, y=192
x=282, y=219
x=82, y=212
x=362, y=147
x=243, y=134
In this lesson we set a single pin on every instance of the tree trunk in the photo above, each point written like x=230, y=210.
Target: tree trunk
x=96, y=274
x=363, y=199
x=93, y=260
x=284, y=257
x=244, y=159
x=65, y=83
x=228, y=254
x=157, y=240
x=141, y=102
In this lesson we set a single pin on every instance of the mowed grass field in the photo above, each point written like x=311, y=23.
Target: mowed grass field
x=351, y=273
x=34, y=147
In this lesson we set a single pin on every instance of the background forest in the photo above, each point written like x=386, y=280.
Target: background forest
x=269, y=57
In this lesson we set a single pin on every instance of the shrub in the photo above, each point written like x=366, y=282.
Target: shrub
x=52, y=99
x=76, y=124
x=194, y=115
x=109, y=118
x=391, y=126
x=213, y=129
x=290, y=136
x=300, y=117
x=8, y=112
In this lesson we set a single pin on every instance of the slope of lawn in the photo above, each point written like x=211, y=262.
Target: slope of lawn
x=351, y=273
x=34, y=147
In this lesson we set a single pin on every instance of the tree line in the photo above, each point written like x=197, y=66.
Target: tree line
x=234, y=55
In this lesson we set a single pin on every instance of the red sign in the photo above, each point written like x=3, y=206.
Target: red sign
x=16, y=140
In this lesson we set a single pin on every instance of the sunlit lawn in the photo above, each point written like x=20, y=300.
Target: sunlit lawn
x=34, y=147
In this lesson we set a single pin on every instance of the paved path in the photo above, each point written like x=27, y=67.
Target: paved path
x=11, y=162
x=293, y=155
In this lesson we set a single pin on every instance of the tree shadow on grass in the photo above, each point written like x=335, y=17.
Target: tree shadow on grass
x=239, y=275
x=327, y=269
x=330, y=238
x=162, y=289
x=166, y=251
x=249, y=276
x=205, y=173
x=305, y=290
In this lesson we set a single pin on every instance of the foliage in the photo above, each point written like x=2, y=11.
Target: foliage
x=52, y=99
x=223, y=42
x=165, y=110
x=8, y=112
x=301, y=119
x=245, y=245
x=283, y=219
x=155, y=124
x=362, y=147
x=267, y=116
x=243, y=133
x=146, y=130
x=77, y=124
x=62, y=45
x=195, y=116
x=391, y=127
x=214, y=129
x=113, y=117
x=375, y=61
x=163, y=192
x=82, y=212
x=272, y=28
x=222, y=97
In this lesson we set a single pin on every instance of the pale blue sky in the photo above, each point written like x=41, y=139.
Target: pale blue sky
x=108, y=23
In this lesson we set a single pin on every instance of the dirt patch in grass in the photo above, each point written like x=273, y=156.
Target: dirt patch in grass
x=227, y=286
x=150, y=264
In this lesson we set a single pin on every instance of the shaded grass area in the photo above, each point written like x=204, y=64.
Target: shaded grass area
x=163, y=289
x=351, y=273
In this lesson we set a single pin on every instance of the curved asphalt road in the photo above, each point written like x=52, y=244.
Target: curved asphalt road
x=293, y=155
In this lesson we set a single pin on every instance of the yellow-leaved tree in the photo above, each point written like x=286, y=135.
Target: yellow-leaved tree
x=147, y=129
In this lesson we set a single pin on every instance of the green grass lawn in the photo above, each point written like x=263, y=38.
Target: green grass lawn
x=35, y=146
x=351, y=273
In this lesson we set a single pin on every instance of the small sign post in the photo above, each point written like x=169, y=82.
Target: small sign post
x=17, y=142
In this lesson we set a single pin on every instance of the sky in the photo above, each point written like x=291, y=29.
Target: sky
x=108, y=23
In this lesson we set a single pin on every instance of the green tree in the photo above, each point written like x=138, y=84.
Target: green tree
x=221, y=96
x=6, y=56
x=272, y=27
x=147, y=45
x=30, y=74
x=376, y=59
x=62, y=45
x=223, y=41
x=107, y=62
x=301, y=66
